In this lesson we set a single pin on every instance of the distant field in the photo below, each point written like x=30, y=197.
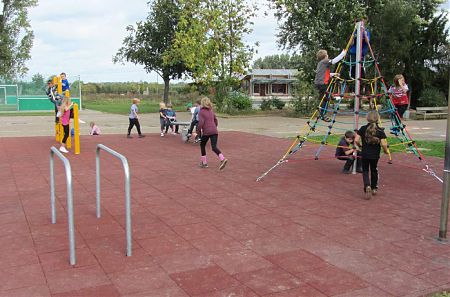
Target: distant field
x=122, y=105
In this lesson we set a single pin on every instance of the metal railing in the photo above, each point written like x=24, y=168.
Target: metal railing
x=126, y=170
x=70, y=223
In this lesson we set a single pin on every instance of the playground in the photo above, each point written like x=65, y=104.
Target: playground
x=291, y=234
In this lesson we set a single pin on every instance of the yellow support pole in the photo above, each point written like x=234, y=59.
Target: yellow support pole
x=59, y=84
x=76, y=125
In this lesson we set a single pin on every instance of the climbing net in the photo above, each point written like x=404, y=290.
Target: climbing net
x=344, y=89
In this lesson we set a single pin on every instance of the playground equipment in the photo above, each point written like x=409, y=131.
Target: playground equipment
x=70, y=220
x=126, y=170
x=358, y=88
x=59, y=131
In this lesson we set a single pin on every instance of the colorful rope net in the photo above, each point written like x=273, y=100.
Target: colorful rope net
x=346, y=89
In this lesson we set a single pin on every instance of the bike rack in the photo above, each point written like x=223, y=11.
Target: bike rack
x=126, y=170
x=70, y=222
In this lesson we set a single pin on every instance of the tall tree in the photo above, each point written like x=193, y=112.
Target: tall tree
x=408, y=36
x=149, y=41
x=16, y=37
x=210, y=38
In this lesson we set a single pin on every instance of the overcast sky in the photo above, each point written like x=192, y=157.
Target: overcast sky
x=81, y=37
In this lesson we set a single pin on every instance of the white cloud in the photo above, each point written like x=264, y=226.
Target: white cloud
x=81, y=37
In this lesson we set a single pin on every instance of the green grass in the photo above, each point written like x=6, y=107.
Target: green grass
x=122, y=106
x=442, y=294
x=427, y=147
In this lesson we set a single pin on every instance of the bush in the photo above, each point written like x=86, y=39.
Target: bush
x=235, y=102
x=266, y=105
x=277, y=103
x=304, y=105
x=432, y=98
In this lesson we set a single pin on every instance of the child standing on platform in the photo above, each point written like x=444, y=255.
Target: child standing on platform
x=64, y=82
x=322, y=79
x=134, y=118
x=64, y=110
x=372, y=138
x=207, y=124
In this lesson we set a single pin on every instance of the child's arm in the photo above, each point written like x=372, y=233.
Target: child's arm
x=339, y=57
x=384, y=145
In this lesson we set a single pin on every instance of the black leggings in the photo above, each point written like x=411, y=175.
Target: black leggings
x=372, y=164
x=66, y=133
x=134, y=122
x=204, y=141
x=401, y=109
x=322, y=92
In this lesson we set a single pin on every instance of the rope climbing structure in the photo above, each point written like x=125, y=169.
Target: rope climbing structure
x=362, y=85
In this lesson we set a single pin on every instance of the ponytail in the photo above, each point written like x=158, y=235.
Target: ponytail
x=371, y=131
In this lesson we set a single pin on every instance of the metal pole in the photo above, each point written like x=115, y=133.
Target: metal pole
x=357, y=80
x=70, y=219
x=446, y=186
x=126, y=170
x=79, y=91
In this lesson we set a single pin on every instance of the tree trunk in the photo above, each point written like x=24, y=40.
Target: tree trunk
x=166, y=89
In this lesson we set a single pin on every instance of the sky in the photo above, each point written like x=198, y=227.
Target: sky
x=81, y=37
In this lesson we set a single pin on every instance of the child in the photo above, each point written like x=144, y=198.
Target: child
x=54, y=97
x=194, y=121
x=64, y=82
x=372, y=138
x=134, y=118
x=162, y=117
x=323, y=78
x=171, y=117
x=399, y=94
x=207, y=124
x=65, y=120
x=95, y=130
x=346, y=151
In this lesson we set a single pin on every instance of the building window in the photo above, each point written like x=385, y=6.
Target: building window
x=279, y=89
x=256, y=88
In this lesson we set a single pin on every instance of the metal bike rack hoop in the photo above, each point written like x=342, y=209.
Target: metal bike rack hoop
x=126, y=170
x=54, y=151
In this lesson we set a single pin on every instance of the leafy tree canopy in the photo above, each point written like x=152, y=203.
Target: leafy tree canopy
x=16, y=37
x=283, y=61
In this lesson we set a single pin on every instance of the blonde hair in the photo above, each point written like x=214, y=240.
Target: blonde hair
x=321, y=54
x=397, y=78
x=92, y=124
x=371, y=131
x=205, y=102
x=162, y=105
x=65, y=104
x=136, y=100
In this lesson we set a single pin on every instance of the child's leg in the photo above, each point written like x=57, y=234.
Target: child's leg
x=214, y=139
x=365, y=168
x=322, y=99
x=138, y=126
x=162, y=123
x=203, y=143
x=374, y=173
x=130, y=126
x=66, y=134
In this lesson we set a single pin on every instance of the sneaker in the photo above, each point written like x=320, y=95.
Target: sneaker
x=63, y=149
x=223, y=163
x=396, y=132
x=196, y=140
x=368, y=193
x=325, y=119
x=141, y=136
x=129, y=136
x=173, y=133
x=162, y=134
x=344, y=171
x=188, y=135
x=374, y=192
x=203, y=165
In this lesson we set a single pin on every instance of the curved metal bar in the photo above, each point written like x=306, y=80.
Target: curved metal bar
x=54, y=151
x=126, y=170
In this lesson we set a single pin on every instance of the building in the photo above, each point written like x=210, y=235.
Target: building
x=262, y=84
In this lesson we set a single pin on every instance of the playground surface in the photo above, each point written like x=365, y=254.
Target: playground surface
x=304, y=230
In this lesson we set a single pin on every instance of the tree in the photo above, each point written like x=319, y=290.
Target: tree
x=16, y=37
x=283, y=61
x=210, y=38
x=149, y=41
x=408, y=36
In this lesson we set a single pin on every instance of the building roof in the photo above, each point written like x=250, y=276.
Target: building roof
x=292, y=72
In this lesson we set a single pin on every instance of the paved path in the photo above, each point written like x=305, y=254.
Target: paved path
x=303, y=231
x=270, y=126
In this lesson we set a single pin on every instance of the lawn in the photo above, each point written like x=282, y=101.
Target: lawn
x=426, y=147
